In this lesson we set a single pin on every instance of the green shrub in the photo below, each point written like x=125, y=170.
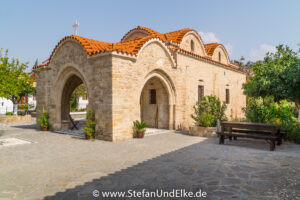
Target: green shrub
x=206, y=120
x=292, y=132
x=26, y=107
x=9, y=114
x=44, y=119
x=21, y=112
x=212, y=108
x=90, y=125
x=268, y=111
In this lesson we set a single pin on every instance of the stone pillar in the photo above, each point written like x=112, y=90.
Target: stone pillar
x=172, y=117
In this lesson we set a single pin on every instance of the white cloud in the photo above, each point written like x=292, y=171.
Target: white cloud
x=259, y=54
x=209, y=37
x=229, y=49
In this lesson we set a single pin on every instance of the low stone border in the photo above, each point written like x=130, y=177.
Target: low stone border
x=16, y=119
x=202, y=131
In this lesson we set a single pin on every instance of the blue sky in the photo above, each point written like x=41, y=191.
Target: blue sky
x=31, y=29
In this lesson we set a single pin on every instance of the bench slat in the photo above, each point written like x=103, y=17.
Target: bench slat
x=255, y=136
x=250, y=131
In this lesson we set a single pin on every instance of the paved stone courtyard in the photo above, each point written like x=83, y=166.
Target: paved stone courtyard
x=58, y=166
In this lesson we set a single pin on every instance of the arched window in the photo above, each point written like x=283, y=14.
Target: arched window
x=219, y=56
x=192, y=46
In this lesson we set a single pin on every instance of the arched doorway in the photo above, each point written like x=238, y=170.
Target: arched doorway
x=155, y=104
x=70, y=85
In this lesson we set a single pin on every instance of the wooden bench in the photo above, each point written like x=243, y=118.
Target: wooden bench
x=269, y=132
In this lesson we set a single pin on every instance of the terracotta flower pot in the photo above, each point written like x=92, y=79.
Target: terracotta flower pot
x=45, y=128
x=87, y=137
x=140, y=134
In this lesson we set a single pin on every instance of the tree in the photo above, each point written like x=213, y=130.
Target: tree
x=15, y=83
x=278, y=75
x=244, y=66
x=80, y=91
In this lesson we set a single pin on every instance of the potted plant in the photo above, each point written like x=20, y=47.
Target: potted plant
x=140, y=128
x=44, y=120
x=90, y=126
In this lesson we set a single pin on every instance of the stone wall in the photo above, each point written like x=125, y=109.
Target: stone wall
x=130, y=77
x=215, y=79
x=70, y=60
x=186, y=43
x=224, y=58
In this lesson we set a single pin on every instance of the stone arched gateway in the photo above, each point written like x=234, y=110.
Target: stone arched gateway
x=120, y=76
x=68, y=80
x=157, y=100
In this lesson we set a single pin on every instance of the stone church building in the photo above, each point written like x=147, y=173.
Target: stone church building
x=146, y=76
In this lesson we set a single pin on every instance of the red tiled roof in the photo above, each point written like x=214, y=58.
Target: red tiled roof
x=176, y=36
x=210, y=48
x=149, y=30
x=132, y=47
x=231, y=66
x=93, y=47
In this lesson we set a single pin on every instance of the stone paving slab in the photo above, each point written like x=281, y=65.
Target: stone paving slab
x=11, y=142
x=155, y=131
x=60, y=166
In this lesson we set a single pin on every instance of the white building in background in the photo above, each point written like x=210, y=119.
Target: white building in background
x=82, y=103
x=5, y=105
x=32, y=101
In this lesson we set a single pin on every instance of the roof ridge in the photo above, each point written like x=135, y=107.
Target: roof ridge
x=178, y=30
x=210, y=47
x=133, y=46
x=149, y=30
x=212, y=43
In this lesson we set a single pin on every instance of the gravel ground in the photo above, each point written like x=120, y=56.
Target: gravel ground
x=60, y=166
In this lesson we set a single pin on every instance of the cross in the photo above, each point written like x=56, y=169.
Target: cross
x=75, y=26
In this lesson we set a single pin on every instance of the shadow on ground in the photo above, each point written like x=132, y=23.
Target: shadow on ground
x=251, y=172
x=25, y=126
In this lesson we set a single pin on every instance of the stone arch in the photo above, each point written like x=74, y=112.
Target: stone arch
x=135, y=33
x=66, y=82
x=166, y=99
x=224, y=54
x=162, y=45
x=68, y=40
x=197, y=37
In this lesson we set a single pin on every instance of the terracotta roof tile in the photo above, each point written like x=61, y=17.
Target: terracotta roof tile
x=152, y=32
x=231, y=66
x=176, y=36
x=210, y=48
x=132, y=47
x=93, y=47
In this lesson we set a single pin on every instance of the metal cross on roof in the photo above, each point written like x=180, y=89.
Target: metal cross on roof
x=75, y=26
